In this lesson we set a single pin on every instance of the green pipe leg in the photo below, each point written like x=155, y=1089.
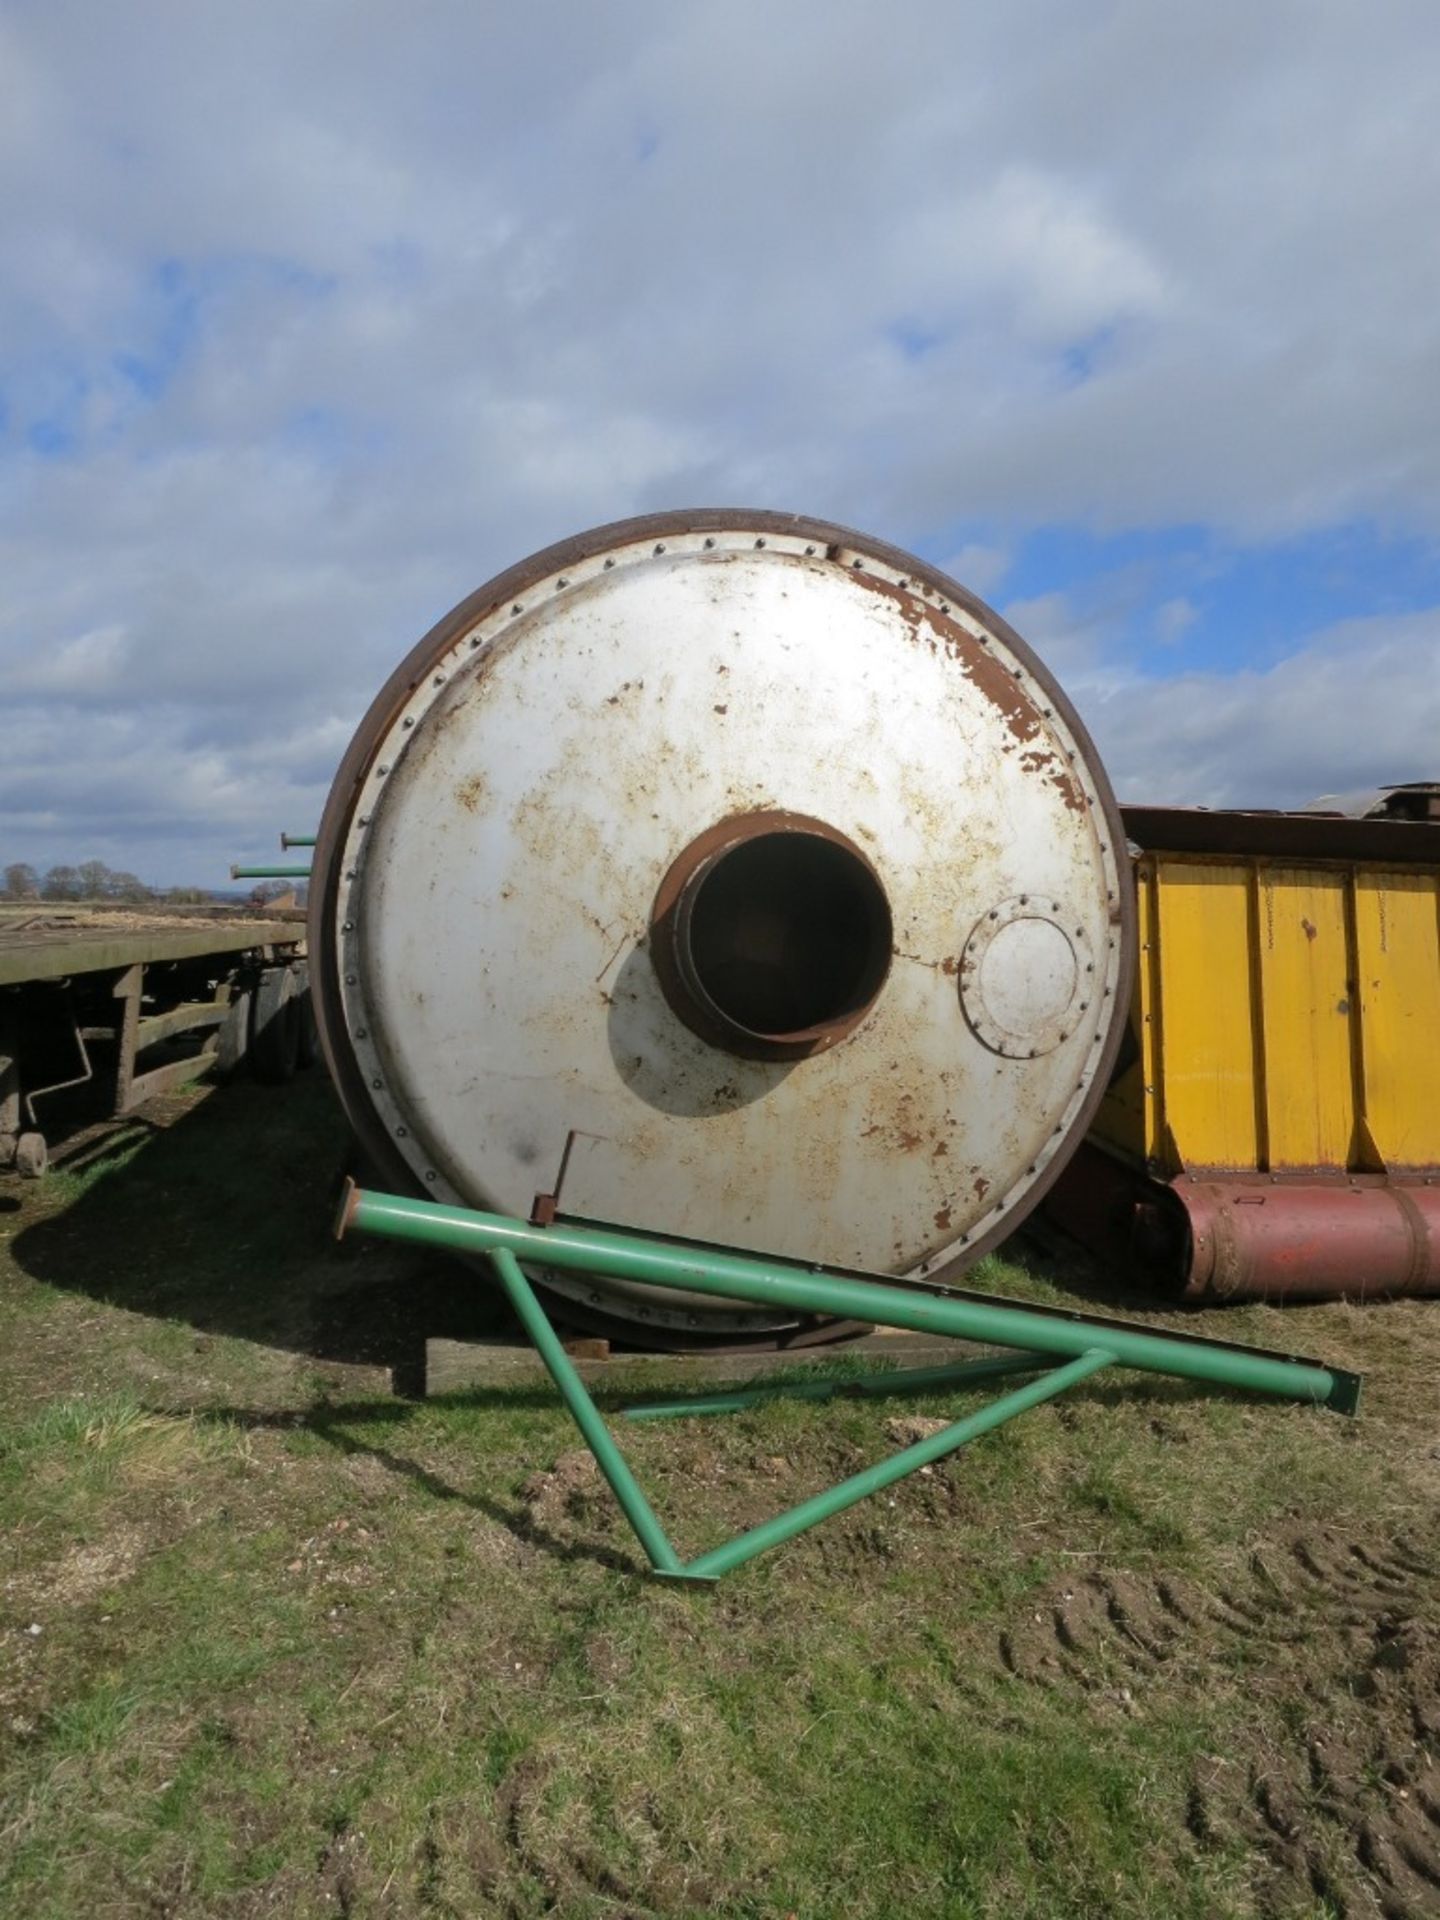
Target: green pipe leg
x=1085, y=1343
x=608, y=1457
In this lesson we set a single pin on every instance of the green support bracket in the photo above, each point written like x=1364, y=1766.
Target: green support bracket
x=1039, y=1336
x=269, y=873
x=608, y=1457
x=886, y=1472
x=288, y=840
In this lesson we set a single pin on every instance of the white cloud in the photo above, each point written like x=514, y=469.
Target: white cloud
x=86, y=668
x=1173, y=618
x=1072, y=643
x=1355, y=706
x=328, y=316
x=979, y=566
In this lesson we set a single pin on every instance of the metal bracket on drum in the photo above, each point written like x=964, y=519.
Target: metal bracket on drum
x=1037, y=1337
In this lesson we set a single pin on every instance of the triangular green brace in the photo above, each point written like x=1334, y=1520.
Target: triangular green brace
x=886, y=1472
x=708, y=1567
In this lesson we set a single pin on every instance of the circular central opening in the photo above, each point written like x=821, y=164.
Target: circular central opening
x=777, y=938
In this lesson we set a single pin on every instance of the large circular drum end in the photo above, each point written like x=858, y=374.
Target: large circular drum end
x=771, y=936
x=845, y=990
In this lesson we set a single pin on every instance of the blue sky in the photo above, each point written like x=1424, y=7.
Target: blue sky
x=312, y=319
x=1182, y=596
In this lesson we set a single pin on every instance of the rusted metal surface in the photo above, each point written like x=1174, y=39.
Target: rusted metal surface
x=1255, y=1237
x=752, y=968
x=1299, y=836
x=1264, y=1240
x=490, y=958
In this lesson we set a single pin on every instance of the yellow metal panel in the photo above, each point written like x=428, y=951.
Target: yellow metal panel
x=1286, y=1017
x=1306, y=1013
x=1207, y=1051
x=1147, y=1019
x=1397, y=950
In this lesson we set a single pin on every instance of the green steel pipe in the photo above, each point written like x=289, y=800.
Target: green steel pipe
x=772, y=1283
x=269, y=873
x=885, y=1472
x=288, y=840
x=608, y=1457
x=861, y=1385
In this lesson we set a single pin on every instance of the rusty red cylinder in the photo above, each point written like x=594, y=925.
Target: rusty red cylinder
x=1251, y=1237
x=1265, y=1242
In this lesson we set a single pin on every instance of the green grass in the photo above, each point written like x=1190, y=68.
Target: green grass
x=308, y=1647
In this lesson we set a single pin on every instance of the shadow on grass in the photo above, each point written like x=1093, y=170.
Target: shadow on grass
x=1048, y=1254
x=329, y=1421
x=221, y=1220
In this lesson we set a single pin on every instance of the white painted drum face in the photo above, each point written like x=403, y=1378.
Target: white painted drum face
x=903, y=888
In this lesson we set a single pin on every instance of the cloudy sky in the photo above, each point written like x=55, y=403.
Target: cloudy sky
x=314, y=316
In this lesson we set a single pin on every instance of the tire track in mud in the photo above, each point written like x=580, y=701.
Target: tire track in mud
x=1339, y=1791
x=568, y=1861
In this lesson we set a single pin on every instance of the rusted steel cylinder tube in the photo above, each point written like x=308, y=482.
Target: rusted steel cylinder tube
x=771, y=936
x=1248, y=1241
x=1253, y=1237
x=755, y=860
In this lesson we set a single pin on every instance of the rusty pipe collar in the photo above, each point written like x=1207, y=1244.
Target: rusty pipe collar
x=771, y=935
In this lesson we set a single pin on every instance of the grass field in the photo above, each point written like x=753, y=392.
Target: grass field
x=276, y=1638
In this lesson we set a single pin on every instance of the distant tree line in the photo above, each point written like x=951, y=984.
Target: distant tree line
x=91, y=880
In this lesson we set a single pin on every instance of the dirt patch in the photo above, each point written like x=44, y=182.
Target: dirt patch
x=78, y=1574
x=907, y=1430
x=564, y=1494
x=1339, y=1794
x=771, y=1466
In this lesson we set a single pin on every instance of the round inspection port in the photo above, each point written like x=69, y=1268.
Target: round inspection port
x=771, y=936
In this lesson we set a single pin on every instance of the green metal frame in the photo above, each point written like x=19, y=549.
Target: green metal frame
x=269, y=873
x=1038, y=1337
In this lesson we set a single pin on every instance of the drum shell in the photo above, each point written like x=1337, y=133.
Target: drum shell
x=884, y=1136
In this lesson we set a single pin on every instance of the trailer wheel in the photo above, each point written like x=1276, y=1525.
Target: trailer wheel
x=232, y=1043
x=275, y=1026
x=308, y=1051
x=32, y=1156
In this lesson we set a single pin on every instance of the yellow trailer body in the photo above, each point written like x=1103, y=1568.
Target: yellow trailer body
x=1288, y=1019
x=1281, y=1079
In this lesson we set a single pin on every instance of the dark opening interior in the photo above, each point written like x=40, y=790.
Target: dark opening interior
x=789, y=932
